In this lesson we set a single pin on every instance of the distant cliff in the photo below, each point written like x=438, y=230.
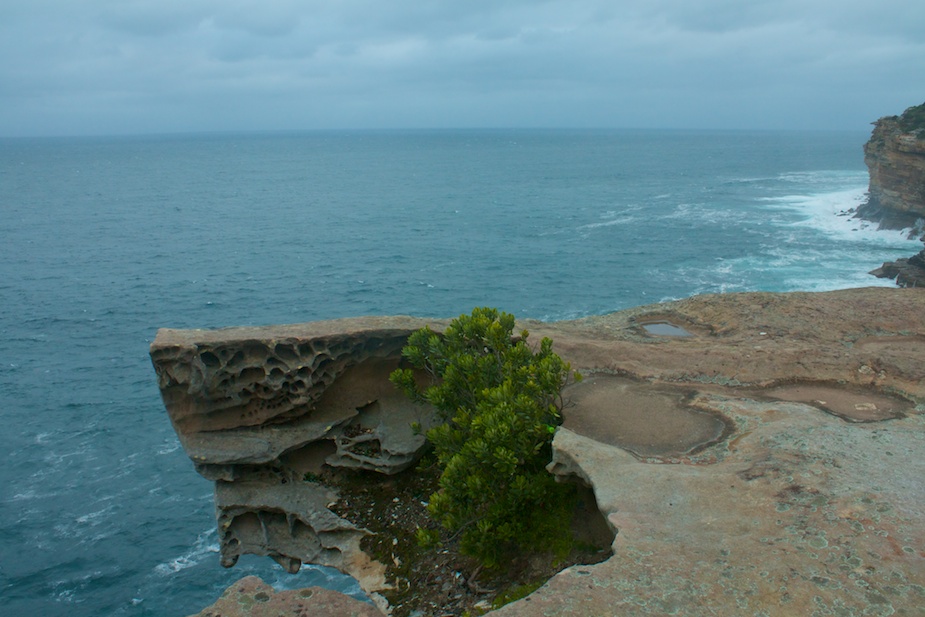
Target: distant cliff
x=895, y=156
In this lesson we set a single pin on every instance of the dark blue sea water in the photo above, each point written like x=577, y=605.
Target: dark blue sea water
x=102, y=241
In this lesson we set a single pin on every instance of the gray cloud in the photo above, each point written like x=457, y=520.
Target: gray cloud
x=147, y=65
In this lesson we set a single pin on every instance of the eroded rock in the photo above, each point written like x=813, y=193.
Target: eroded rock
x=260, y=411
x=807, y=499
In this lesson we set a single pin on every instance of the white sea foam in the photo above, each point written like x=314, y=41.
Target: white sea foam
x=24, y=496
x=626, y=215
x=825, y=177
x=169, y=445
x=206, y=546
x=312, y=576
x=832, y=213
x=95, y=518
x=705, y=213
x=791, y=265
x=618, y=221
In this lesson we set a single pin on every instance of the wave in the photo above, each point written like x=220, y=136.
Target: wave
x=825, y=176
x=169, y=445
x=617, y=221
x=792, y=267
x=206, y=546
x=832, y=213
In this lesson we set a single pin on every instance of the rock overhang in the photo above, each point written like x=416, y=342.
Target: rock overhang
x=776, y=458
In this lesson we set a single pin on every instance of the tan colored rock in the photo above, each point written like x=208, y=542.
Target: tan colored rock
x=771, y=463
x=261, y=410
x=895, y=156
x=759, y=339
x=798, y=513
x=251, y=597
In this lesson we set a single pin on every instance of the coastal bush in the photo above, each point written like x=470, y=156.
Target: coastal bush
x=500, y=402
x=913, y=118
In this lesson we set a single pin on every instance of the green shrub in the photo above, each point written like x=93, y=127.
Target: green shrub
x=500, y=402
x=913, y=118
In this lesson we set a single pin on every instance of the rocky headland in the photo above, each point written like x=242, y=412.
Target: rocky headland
x=895, y=157
x=751, y=453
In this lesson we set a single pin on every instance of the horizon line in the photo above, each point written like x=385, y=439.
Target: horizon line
x=306, y=131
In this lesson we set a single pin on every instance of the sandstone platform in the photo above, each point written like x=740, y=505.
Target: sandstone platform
x=770, y=462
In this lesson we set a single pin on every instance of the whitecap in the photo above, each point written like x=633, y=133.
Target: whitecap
x=170, y=445
x=825, y=177
x=93, y=518
x=206, y=545
x=621, y=221
x=832, y=213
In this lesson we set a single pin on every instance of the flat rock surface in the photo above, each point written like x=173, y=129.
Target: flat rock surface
x=810, y=503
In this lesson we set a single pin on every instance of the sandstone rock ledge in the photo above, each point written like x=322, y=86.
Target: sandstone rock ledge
x=771, y=463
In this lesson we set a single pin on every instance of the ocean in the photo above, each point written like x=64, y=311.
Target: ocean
x=104, y=240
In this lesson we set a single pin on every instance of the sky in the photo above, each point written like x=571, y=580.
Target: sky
x=101, y=67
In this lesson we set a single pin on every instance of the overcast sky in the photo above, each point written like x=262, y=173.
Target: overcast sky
x=143, y=66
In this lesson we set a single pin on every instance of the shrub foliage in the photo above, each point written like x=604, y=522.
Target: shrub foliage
x=913, y=118
x=499, y=401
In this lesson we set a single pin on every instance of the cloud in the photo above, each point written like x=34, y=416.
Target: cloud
x=207, y=64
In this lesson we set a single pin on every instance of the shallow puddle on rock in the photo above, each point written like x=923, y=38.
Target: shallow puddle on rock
x=644, y=419
x=850, y=403
x=665, y=328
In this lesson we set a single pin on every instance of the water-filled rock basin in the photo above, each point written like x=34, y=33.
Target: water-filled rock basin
x=645, y=419
x=851, y=403
x=664, y=328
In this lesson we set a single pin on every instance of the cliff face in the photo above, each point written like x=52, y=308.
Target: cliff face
x=895, y=156
x=261, y=412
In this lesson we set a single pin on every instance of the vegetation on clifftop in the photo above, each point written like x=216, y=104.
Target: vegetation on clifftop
x=913, y=118
x=499, y=401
